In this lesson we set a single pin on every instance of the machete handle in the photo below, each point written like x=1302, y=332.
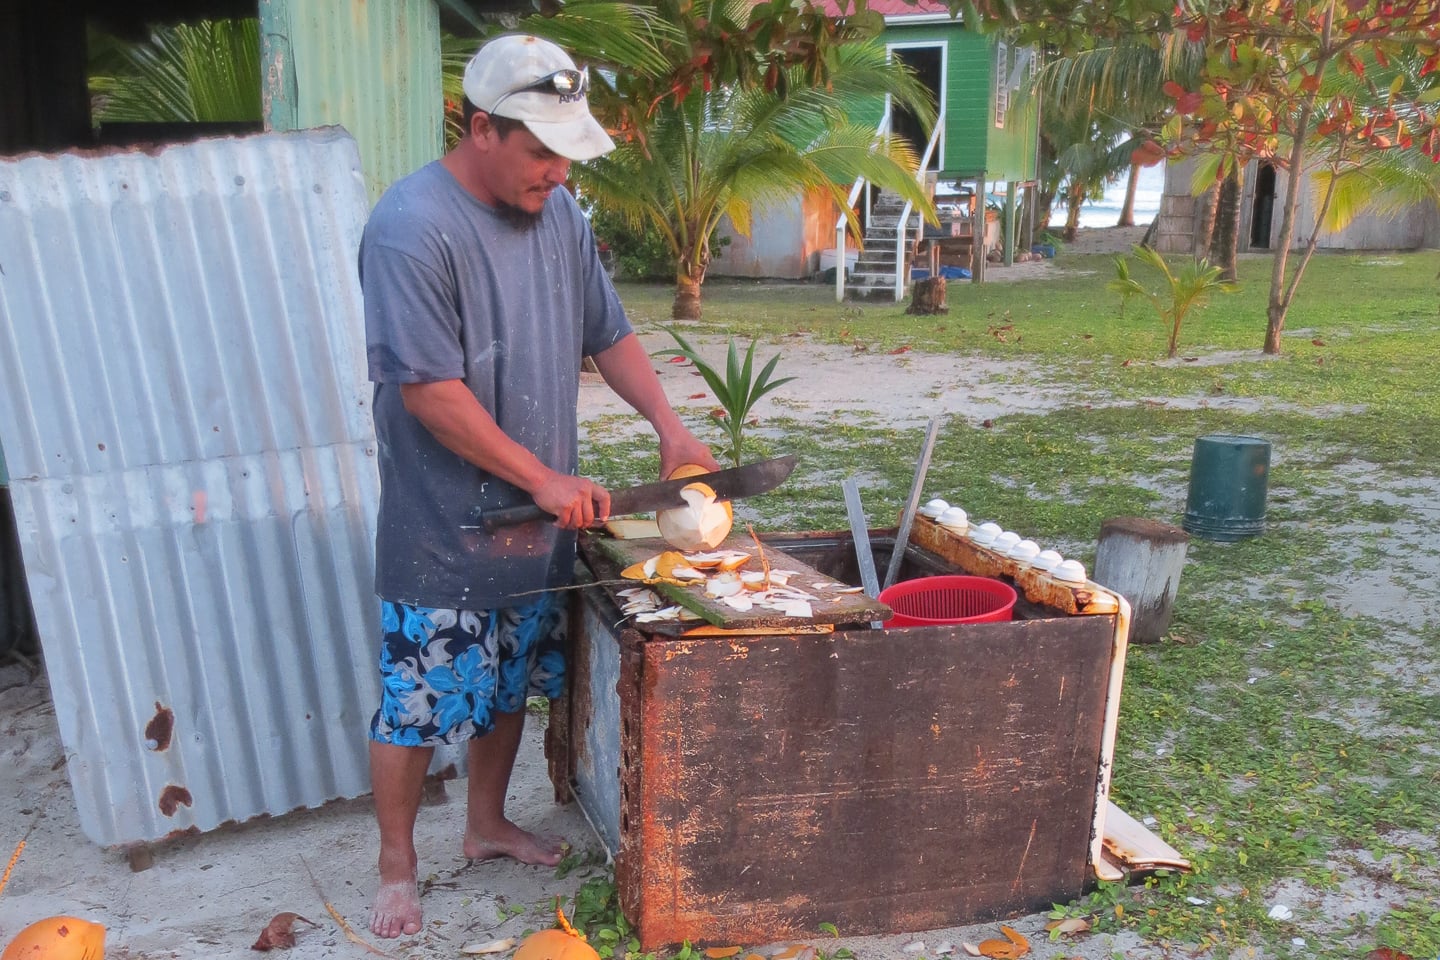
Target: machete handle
x=493, y=520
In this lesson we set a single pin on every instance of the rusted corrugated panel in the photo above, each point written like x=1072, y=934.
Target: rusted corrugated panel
x=184, y=407
x=372, y=66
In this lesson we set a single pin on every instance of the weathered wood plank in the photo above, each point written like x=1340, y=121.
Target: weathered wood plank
x=1036, y=585
x=1129, y=843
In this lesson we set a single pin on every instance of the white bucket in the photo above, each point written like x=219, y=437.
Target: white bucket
x=827, y=259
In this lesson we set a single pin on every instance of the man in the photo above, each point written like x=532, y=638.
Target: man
x=483, y=292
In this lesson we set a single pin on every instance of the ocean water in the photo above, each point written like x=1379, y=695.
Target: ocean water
x=1106, y=211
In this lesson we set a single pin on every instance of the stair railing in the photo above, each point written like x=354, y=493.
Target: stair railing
x=841, y=225
x=903, y=225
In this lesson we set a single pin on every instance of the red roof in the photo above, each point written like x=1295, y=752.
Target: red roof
x=890, y=8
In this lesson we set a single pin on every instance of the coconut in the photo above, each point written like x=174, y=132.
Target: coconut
x=703, y=523
x=562, y=943
x=58, y=938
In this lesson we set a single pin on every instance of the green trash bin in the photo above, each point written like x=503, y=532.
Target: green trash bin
x=1229, y=480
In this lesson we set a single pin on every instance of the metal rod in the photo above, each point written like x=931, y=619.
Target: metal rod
x=860, y=533
x=902, y=538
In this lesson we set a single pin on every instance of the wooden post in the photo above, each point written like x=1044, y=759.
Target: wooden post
x=977, y=229
x=1007, y=239
x=1141, y=560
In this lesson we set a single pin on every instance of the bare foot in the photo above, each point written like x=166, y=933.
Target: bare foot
x=510, y=841
x=397, y=909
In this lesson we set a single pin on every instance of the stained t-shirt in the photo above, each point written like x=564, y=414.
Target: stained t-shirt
x=455, y=289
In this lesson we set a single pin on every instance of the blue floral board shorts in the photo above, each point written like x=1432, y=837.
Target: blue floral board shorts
x=445, y=673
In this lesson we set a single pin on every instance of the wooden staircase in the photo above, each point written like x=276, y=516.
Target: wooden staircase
x=873, y=276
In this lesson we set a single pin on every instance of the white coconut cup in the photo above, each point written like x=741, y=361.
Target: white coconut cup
x=1025, y=551
x=986, y=533
x=954, y=518
x=1047, y=560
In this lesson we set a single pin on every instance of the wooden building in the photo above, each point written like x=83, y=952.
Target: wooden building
x=984, y=133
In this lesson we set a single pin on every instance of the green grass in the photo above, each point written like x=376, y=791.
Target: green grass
x=1286, y=742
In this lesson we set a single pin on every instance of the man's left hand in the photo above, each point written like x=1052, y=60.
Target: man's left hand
x=682, y=448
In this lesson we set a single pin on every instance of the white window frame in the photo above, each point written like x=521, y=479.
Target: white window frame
x=940, y=95
x=1002, y=83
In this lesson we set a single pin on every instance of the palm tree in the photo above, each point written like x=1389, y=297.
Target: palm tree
x=1182, y=290
x=1092, y=158
x=707, y=132
x=1101, y=95
x=730, y=150
x=207, y=71
x=1118, y=85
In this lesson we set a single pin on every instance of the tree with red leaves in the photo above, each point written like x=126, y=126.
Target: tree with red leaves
x=1335, y=92
x=1338, y=93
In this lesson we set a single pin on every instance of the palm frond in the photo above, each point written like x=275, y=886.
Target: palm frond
x=205, y=71
x=1389, y=183
x=632, y=36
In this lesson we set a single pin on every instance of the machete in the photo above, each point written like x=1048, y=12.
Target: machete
x=736, y=483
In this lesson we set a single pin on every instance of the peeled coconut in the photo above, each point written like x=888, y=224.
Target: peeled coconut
x=58, y=938
x=703, y=522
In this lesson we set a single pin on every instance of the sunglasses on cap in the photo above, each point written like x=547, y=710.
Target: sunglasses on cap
x=566, y=84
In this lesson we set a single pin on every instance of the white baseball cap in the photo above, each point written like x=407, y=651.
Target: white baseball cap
x=535, y=81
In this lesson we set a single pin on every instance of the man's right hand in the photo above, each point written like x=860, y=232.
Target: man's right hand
x=575, y=501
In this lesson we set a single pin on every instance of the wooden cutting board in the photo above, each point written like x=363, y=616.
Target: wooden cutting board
x=608, y=556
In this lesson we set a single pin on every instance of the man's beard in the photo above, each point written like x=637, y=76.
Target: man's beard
x=516, y=216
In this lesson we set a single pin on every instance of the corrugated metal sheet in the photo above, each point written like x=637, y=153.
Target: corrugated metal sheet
x=184, y=406
x=372, y=66
x=785, y=240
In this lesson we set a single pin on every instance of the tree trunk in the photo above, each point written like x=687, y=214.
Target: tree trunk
x=1279, y=304
x=687, y=298
x=1073, y=201
x=1142, y=559
x=1225, y=237
x=1205, y=210
x=927, y=297
x=1026, y=212
x=1127, y=212
x=1044, y=203
x=689, y=275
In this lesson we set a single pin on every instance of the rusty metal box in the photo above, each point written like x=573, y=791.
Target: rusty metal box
x=752, y=788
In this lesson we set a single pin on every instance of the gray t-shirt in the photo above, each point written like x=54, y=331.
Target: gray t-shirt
x=455, y=289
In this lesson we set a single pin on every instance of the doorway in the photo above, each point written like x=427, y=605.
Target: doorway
x=928, y=62
x=1262, y=210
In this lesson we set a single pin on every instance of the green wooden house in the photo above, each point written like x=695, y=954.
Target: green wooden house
x=985, y=134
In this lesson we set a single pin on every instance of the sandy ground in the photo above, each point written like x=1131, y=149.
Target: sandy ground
x=210, y=895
